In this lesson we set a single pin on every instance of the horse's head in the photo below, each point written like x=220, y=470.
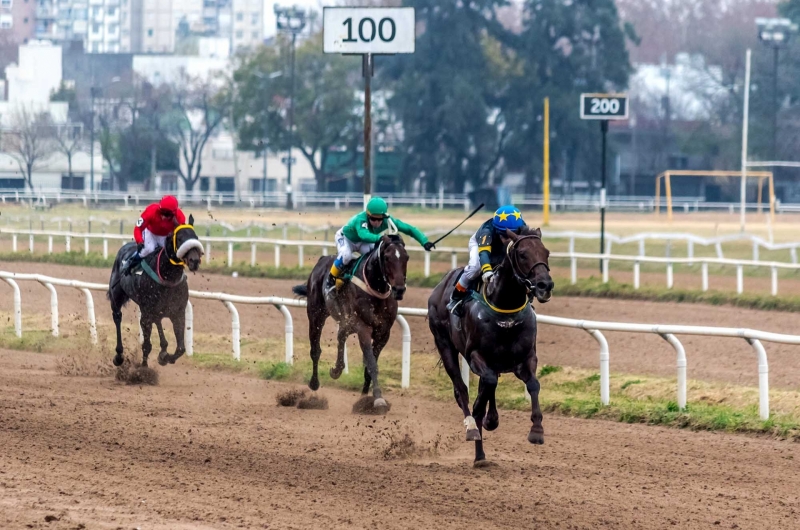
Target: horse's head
x=528, y=257
x=394, y=263
x=183, y=246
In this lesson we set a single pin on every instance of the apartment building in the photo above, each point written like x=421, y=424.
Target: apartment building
x=18, y=19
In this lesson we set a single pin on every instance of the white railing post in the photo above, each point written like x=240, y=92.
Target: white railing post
x=690, y=250
x=49, y=244
x=208, y=251
x=17, y=307
x=755, y=250
x=427, y=264
x=405, y=364
x=605, y=392
x=670, y=279
x=105, y=248
x=793, y=253
x=252, y=254
x=605, y=270
x=636, y=274
x=774, y=274
x=230, y=254
x=277, y=256
x=464, y=371
x=138, y=316
x=680, y=364
x=86, y=245
x=573, y=270
x=324, y=250
x=13, y=242
x=235, y=330
x=300, y=258
x=641, y=247
x=188, y=338
x=30, y=243
x=453, y=261
x=344, y=356
x=90, y=314
x=53, y=307
x=763, y=379
x=704, y=274
x=68, y=244
x=739, y=279
x=288, y=334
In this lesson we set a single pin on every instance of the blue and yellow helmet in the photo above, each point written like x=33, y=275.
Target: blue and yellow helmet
x=509, y=217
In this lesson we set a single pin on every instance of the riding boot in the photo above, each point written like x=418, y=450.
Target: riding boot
x=456, y=306
x=130, y=263
x=330, y=282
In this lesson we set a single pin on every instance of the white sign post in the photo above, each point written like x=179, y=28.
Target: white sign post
x=368, y=31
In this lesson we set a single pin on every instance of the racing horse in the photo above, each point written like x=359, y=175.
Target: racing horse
x=159, y=289
x=365, y=306
x=497, y=333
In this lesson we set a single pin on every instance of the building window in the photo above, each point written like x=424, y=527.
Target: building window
x=96, y=28
x=25, y=20
x=112, y=29
x=95, y=11
x=225, y=184
x=72, y=183
x=5, y=3
x=150, y=32
x=204, y=183
x=240, y=34
x=255, y=35
x=239, y=16
x=112, y=11
x=254, y=18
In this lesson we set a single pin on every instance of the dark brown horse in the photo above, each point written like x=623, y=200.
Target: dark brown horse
x=366, y=306
x=497, y=334
x=160, y=290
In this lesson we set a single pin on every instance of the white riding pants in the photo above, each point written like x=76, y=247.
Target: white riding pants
x=473, y=269
x=151, y=242
x=345, y=248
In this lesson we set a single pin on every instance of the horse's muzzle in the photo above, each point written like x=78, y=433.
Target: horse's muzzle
x=193, y=264
x=543, y=290
x=398, y=292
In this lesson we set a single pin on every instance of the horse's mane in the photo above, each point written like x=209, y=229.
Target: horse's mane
x=394, y=238
x=528, y=231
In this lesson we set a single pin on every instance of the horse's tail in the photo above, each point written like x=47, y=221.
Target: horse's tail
x=300, y=290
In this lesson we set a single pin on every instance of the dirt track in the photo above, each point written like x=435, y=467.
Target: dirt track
x=712, y=359
x=212, y=450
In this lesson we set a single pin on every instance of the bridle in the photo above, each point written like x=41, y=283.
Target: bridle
x=176, y=260
x=513, y=258
x=382, y=269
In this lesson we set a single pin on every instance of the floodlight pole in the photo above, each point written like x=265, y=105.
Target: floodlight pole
x=367, y=70
x=604, y=130
x=745, y=117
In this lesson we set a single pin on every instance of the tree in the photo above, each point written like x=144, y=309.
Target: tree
x=68, y=140
x=196, y=109
x=30, y=141
x=451, y=104
x=327, y=109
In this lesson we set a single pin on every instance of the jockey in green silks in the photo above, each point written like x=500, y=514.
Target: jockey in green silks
x=362, y=232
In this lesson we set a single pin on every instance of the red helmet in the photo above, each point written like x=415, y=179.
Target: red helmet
x=169, y=204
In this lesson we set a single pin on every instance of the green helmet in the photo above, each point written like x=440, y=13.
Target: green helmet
x=377, y=207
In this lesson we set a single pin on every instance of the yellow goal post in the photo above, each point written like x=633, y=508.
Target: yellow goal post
x=760, y=175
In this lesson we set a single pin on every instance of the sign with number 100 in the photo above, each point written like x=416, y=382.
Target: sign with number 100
x=362, y=30
x=604, y=106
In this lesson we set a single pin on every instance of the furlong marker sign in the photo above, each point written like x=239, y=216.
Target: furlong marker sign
x=374, y=30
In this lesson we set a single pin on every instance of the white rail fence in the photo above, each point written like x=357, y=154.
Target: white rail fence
x=454, y=253
x=668, y=332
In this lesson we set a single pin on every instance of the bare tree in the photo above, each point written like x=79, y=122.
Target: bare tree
x=29, y=141
x=69, y=140
x=198, y=108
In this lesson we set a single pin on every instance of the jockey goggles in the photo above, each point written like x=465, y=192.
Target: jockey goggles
x=166, y=213
x=377, y=219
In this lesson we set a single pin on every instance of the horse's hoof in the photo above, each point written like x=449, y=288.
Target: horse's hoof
x=163, y=358
x=144, y=363
x=380, y=403
x=118, y=360
x=336, y=372
x=473, y=435
x=536, y=438
x=313, y=384
x=171, y=359
x=491, y=423
x=483, y=464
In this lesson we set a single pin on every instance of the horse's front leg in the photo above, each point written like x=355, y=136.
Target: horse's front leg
x=486, y=391
x=527, y=373
x=370, y=364
x=117, y=314
x=179, y=328
x=316, y=321
x=380, y=337
x=147, y=330
x=162, y=339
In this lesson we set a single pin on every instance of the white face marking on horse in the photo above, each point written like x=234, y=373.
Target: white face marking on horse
x=397, y=254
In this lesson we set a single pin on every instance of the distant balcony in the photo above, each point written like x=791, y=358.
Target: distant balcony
x=45, y=12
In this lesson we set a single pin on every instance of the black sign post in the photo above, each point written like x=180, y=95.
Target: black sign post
x=603, y=107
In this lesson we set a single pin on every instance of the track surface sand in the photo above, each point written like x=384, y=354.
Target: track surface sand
x=211, y=450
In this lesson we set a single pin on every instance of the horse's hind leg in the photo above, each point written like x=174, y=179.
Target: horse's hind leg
x=527, y=373
x=116, y=311
x=492, y=419
x=371, y=364
x=341, y=344
x=379, y=339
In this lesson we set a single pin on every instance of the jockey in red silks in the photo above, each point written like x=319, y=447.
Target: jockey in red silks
x=156, y=223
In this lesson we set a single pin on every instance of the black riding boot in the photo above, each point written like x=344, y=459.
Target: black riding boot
x=456, y=305
x=130, y=263
x=330, y=282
